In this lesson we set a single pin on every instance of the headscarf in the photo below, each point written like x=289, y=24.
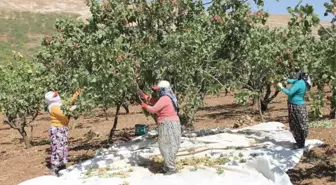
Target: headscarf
x=167, y=91
x=301, y=75
x=52, y=98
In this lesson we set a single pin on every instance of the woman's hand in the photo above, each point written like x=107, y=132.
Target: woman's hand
x=75, y=95
x=143, y=105
x=79, y=91
x=280, y=85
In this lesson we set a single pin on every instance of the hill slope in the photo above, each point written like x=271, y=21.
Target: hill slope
x=25, y=22
x=23, y=31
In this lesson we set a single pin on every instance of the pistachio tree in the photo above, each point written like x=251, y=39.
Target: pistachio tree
x=132, y=44
x=23, y=84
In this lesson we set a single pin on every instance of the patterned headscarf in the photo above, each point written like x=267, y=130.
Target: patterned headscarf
x=167, y=91
x=301, y=75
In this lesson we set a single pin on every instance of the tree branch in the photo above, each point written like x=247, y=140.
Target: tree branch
x=246, y=86
x=332, y=35
x=34, y=117
x=217, y=81
x=10, y=123
x=274, y=95
x=268, y=92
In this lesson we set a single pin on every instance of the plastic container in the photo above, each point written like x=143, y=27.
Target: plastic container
x=141, y=129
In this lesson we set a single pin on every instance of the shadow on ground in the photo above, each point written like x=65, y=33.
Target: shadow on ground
x=316, y=164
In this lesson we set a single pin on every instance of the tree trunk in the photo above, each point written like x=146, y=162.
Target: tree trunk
x=268, y=98
x=202, y=96
x=125, y=106
x=332, y=113
x=254, y=100
x=191, y=118
x=25, y=137
x=202, y=91
x=31, y=133
x=115, y=123
x=333, y=105
x=260, y=109
x=105, y=113
x=263, y=106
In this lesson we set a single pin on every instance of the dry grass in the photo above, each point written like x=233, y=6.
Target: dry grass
x=42, y=6
x=23, y=31
x=282, y=21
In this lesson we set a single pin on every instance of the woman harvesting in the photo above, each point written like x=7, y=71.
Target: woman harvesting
x=169, y=127
x=297, y=112
x=58, y=131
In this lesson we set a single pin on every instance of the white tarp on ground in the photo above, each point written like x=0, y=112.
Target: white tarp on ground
x=256, y=155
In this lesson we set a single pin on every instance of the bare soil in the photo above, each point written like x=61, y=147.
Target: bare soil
x=89, y=133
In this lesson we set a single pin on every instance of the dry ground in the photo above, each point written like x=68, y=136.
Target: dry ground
x=18, y=164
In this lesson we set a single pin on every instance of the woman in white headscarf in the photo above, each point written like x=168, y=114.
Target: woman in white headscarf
x=58, y=131
x=169, y=127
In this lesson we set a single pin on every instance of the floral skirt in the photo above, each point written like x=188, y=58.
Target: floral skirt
x=298, y=123
x=58, y=146
x=169, y=142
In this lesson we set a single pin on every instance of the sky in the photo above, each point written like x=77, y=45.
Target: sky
x=274, y=7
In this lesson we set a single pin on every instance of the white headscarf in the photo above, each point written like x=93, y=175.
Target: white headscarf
x=309, y=81
x=163, y=84
x=52, y=98
x=165, y=89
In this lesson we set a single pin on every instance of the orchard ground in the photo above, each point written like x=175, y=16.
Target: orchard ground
x=89, y=133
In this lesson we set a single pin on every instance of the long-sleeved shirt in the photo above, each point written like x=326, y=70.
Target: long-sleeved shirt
x=163, y=107
x=297, y=92
x=57, y=116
